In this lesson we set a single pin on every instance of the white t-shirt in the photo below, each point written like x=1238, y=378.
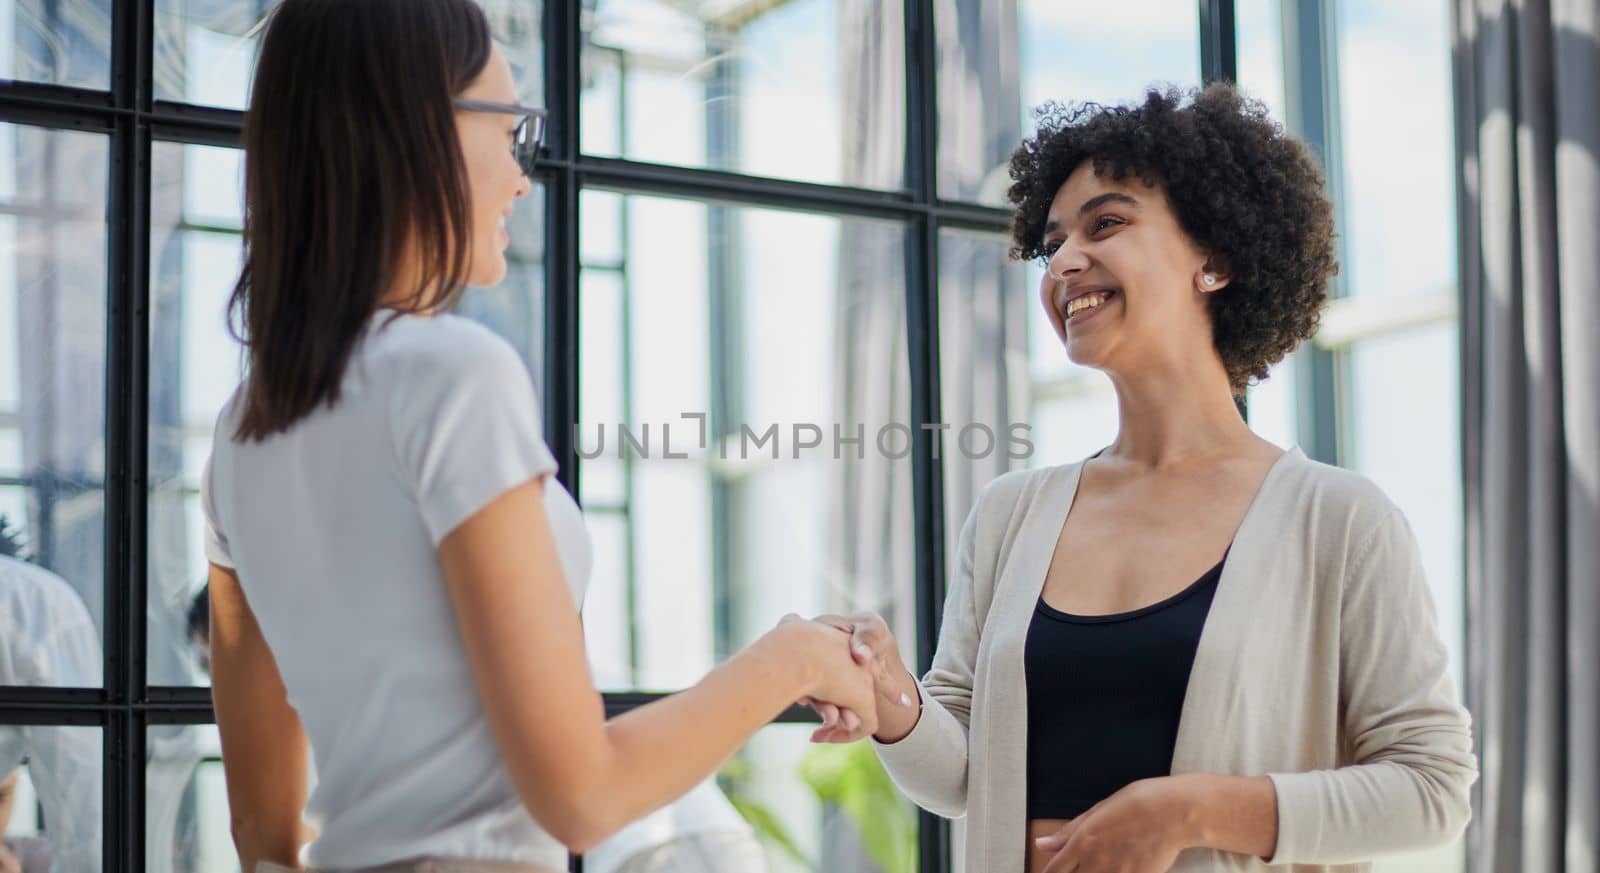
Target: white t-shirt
x=332, y=528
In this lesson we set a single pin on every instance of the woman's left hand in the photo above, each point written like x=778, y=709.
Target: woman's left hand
x=1140, y=829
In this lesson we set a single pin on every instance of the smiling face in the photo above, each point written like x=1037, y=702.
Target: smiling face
x=494, y=178
x=1124, y=284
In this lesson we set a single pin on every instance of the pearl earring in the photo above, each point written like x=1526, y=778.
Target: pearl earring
x=1209, y=279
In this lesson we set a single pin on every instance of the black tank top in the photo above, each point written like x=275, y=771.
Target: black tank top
x=1104, y=696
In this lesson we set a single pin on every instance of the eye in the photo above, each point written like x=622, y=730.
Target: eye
x=1049, y=250
x=1104, y=222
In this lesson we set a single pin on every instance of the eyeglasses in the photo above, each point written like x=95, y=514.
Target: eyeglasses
x=529, y=133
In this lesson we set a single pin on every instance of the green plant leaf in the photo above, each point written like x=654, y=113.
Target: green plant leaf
x=851, y=778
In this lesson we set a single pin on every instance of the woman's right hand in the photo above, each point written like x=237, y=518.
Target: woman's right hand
x=836, y=676
x=896, y=697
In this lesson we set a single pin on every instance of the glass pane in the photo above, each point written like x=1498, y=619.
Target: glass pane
x=999, y=59
x=52, y=392
x=1394, y=87
x=206, y=49
x=983, y=368
x=195, y=366
x=1407, y=384
x=186, y=802
x=58, y=42
x=50, y=797
x=1259, y=31
x=1272, y=409
x=784, y=334
x=806, y=89
x=783, y=805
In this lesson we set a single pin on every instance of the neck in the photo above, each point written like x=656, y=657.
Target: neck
x=1178, y=413
x=402, y=291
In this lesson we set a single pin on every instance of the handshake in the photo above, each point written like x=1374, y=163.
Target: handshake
x=858, y=684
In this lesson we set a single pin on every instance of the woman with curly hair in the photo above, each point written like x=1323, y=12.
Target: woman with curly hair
x=1193, y=650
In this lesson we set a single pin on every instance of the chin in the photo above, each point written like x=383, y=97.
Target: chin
x=1085, y=354
x=484, y=275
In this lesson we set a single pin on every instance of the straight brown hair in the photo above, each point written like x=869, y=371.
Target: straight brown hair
x=351, y=161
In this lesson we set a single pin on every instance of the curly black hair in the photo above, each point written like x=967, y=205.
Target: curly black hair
x=1244, y=191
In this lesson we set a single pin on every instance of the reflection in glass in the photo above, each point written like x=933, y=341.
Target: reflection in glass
x=195, y=365
x=187, y=829
x=205, y=52
x=57, y=42
x=1000, y=59
x=776, y=330
x=806, y=89
x=50, y=798
x=52, y=354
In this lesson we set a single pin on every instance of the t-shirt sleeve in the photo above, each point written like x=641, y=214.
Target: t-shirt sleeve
x=216, y=541
x=467, y=429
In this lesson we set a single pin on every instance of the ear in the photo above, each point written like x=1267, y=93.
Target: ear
x=1212, y=276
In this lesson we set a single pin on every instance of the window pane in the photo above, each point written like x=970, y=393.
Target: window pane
x=58, y=42
x=187, y=829
x=783, y=330
x=806, y=89
x=1259, y=30
x=1000, y=60
x=206, y=49
x=52, y=391
x=52, y=774
x=1394, y=87
x=195, y=365
x=1271, y=404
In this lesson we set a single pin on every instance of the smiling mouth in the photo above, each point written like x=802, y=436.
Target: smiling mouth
x=1086, y=302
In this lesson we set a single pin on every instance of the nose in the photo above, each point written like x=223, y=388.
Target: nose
x=524, y=186
x=1068, y=261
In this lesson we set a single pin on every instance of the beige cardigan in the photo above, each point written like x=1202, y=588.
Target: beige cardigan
x=1320, y=666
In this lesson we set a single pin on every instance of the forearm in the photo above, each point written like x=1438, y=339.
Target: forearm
x=266, y=805
x=1237, y=814
x=264, y=746
x=272, y=843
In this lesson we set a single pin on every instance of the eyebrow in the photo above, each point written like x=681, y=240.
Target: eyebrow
x=1091, y=205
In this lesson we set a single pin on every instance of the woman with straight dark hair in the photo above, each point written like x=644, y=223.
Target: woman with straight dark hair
x=394, y=572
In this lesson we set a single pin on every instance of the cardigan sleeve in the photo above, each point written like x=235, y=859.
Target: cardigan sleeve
x=930, y=764
x=1413, y=764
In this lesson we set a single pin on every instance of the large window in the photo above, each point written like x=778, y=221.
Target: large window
x=764, y=261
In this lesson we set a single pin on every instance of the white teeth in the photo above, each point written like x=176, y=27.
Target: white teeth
x=1087, y=301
